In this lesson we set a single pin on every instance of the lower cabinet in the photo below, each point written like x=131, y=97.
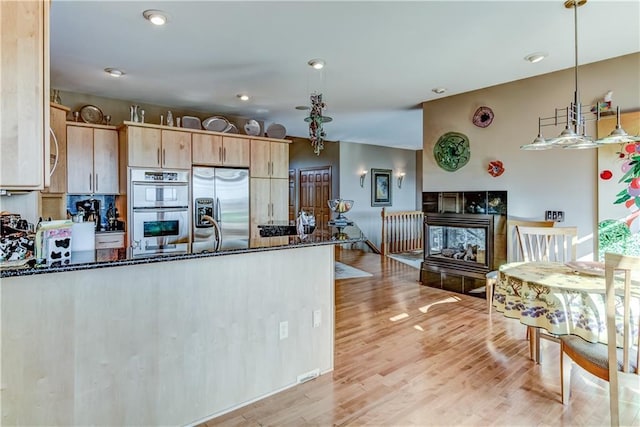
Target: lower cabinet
x=269, y=205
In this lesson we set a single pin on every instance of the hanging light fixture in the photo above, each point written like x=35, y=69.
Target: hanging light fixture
x=316, y=119
x=576, y=115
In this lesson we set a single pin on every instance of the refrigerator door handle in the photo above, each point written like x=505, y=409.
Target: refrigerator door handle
x=218, y=214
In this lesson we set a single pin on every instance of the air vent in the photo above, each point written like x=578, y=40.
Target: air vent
x=303, y=378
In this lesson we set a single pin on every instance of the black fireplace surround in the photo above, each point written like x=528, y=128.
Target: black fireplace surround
x=464, y=239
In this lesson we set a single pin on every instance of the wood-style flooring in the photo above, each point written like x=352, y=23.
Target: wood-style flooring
x=410, y=355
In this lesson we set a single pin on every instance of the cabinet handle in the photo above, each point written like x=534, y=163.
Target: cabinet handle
x=158, y=156
x=220, y=153
x=164, y=156
x=90, y=182
x=224, y=154
x=96, y=182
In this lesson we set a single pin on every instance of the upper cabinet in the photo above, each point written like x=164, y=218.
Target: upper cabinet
x=156, y=148
x=269, y=159
x=93, y=153
x=24, y=110
x=219, y=150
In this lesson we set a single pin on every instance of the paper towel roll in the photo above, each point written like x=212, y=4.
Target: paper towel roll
x=83, y=236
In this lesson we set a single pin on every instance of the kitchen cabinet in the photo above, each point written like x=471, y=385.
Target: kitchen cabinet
x=93, y=152
x=58, y=149
x=219, y=150
x=157, y=148
x=269, y=205
x=24, y=111
x=269, y=159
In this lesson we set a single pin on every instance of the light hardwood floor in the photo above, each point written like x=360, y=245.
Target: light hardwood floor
x=409, y=355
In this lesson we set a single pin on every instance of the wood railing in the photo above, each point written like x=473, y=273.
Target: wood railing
x=401, y=231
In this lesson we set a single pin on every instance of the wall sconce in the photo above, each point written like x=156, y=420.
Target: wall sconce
x=363, y=175
x=400, y=179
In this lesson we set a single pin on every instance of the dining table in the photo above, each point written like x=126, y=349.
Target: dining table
x=560, y=298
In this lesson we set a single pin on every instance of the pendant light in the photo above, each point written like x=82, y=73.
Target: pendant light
x=574, y=134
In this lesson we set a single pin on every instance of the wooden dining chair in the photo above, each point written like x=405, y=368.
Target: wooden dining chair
x=557, y=244
x=618, y=365
x=514, y=253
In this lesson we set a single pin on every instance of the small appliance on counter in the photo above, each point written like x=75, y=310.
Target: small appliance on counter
x=90, y=209
x=53, y=242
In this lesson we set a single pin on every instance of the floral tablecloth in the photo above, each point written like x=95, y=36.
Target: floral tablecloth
x=554, y=297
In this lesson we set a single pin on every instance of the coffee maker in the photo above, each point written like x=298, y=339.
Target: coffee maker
x=90, y=209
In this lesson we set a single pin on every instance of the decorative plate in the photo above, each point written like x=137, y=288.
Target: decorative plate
x=483, y=117
x=252, y=128
x=91, y=114
x=231, y=128
x=495, y=168
x=216, y=124
x=452, y=151
x=191, y=122
x=276, y=130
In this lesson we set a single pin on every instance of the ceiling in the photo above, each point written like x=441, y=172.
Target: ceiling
x=383, y=58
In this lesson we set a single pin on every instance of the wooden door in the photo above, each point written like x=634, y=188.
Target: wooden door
x=315, y=191
x=236, y=151
x=260, y=158
x=279, y=160
x=144, y=146
x=176, y=149
x=206, y=149
x=105, y=161
x=80, y=160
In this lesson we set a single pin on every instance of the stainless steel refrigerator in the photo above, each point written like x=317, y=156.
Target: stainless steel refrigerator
x=221, y=209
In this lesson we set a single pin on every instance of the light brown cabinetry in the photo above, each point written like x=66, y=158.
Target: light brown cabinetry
x=92, y=156
x=157, y=148
x=269, y=159
x=58, y=149
x=24, y=110
x=269, y=204
x=218, y=150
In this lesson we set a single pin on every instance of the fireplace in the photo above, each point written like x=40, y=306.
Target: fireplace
x=464, y=239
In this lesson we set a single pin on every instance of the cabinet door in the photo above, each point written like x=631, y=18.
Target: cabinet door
x=236, y=151
x=58, y=144
x=80, y=159
x=144, y=146
x=279, y=190
x=176, y=149
x=279, y=160
x=24, y=110
x=260, y=208
x=105, y=161
x=260, y=158
x=206, y=149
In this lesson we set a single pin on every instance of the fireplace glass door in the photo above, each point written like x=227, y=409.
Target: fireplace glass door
x=467, y=244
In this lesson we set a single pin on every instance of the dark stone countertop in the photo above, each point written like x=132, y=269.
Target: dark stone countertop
x=86, y=260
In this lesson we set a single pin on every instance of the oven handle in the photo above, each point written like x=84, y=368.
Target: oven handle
x=161, y=209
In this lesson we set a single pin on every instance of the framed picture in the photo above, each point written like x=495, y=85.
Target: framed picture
x=380, y=187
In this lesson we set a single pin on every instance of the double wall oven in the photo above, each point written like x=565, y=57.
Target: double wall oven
x=159, y=212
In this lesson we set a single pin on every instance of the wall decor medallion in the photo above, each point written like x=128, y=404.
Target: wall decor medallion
x=452, y=151
x=483, y=117
x=380, y=187
x=495, y=168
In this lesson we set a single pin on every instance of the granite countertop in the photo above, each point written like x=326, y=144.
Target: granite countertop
x=86, y=260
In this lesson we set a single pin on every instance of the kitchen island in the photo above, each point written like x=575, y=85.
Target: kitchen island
x=166, y=340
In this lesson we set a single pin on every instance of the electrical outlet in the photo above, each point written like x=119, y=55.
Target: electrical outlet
x=557, y=216
x=317, y=318
x=284, y=330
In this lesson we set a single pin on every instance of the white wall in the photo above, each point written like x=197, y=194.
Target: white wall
x=536, y=181
x=354, y=158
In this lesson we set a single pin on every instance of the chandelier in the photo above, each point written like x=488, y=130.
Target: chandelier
x=575, y=116
x=315, y=120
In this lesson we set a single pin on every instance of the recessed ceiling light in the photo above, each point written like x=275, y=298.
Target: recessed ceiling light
x=156, y=17
x=438, y=90
x=243, y=96
x=114, y=72
x=318, y=64
x=535, y=57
